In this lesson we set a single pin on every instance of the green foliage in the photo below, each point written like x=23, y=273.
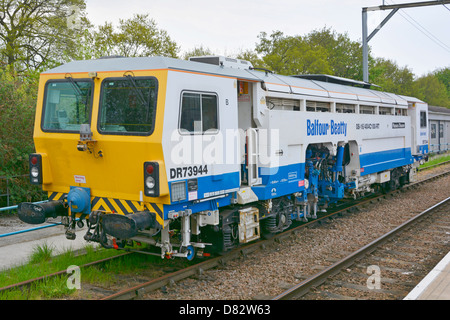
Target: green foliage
x=41, y=253
x=328, y=52
x=291, y=55
x=138, y=36
x=34, y=34
x=251, y=56
x=343, y=55
x=436, y=160
x=390, y=77
x=17, y=107
x=44, y=263
x=444, y=77
x=197, y=52
x=430, y=89
x=319, y=52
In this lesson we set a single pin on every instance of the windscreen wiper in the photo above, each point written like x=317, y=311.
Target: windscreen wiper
x=77, y=89
x=136, y=89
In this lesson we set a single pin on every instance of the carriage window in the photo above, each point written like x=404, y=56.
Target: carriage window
x=128, y=106
x=384, y=110
x=433, y=131
x=198, y=112
x=67, y=105
x=316, y=106
x=401, y=112
x=366, y=109
x=345, y=108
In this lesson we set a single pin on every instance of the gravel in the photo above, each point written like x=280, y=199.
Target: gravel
x=265, y=274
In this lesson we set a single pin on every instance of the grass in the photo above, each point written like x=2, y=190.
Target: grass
x=42, y=262
x=41, y=253
x=436, y=160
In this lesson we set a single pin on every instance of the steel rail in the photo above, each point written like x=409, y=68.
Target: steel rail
x=55, y=274
x=136, y=291
x=305, y=286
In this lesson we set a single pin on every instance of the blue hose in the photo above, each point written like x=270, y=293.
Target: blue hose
x=26, y=230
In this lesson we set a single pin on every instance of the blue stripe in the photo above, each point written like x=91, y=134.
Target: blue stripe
x=280, y=181
x=291, y=172
x=197, y=207
x=207, y=186
x=385, y=160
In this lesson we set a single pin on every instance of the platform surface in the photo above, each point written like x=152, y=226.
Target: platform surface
x=436, y=285
x=16, y=250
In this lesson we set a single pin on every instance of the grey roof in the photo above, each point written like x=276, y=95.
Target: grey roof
x=147, y=63
x=273, y=82
x=435, y=109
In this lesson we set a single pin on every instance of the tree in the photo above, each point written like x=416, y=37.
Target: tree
x=252, y=56
x=138, y=36
x=197, y=52
x=291, y=55
x=37, y=33
x=431, y=90
x=444, y=77
x=321, y=51
x=17, y=107
x=343, y=55
x=390, y=77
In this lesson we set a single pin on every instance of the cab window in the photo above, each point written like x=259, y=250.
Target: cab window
x=198, y=113
x=67, y=105
x=128, y=105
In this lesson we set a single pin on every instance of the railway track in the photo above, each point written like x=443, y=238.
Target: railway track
x=387, y=268
x=197, y=270
x=29, y=283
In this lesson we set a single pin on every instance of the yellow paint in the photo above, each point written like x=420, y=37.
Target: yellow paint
x=119, y=174
x=47, y=177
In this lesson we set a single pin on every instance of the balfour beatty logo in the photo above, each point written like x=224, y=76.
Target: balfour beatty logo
x=317, y=128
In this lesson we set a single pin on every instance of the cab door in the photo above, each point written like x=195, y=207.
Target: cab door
x=201, y=137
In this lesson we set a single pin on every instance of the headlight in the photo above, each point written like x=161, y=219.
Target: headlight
x=34, y=172
x=151, y=179
x=150, y=182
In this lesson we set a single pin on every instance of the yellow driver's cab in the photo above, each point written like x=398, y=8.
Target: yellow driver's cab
x=98, y=142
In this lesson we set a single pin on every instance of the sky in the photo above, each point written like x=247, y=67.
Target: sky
x=417, y=38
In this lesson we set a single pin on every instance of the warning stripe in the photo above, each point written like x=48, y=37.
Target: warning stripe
x=56, y=196
x=159, y=212
x=117, y=205
x=122, y=208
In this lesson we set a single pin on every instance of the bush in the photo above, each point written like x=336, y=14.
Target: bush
x=17, y=109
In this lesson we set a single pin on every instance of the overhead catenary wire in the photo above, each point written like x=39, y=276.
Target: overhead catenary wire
x=423, y=30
